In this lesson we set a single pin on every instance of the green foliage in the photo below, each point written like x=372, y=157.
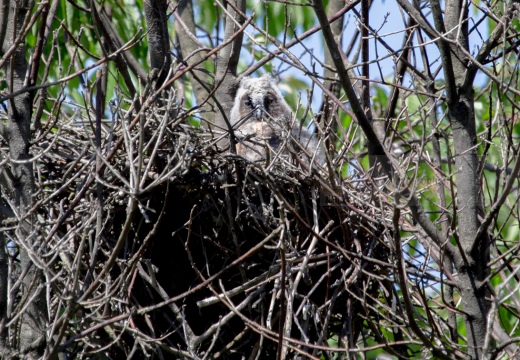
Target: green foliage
x=273, y=16
x=207, y=15
x=294, y=90
x=379, y=100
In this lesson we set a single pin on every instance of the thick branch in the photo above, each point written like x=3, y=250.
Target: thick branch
x=337, y=31
x=185, y=29
x=32, y=329
x=158, y=38
x=227, y=61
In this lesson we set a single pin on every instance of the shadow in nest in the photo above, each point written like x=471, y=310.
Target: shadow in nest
x=239, y=249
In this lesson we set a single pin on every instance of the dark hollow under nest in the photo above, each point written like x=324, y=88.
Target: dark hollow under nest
x=225, y=229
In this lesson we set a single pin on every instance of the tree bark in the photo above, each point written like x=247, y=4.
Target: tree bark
x=33, y=321
x=4, y=349
x=226, y=69
x=337, y=30
x=198, y=79
x=474, y=255
x=158, y=39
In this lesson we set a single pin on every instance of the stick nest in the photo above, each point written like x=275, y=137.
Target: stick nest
x=159, y=243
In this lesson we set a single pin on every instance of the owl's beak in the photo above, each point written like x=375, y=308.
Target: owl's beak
x=258, y=113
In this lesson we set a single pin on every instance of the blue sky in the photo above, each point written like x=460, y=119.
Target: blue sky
x=386, y=17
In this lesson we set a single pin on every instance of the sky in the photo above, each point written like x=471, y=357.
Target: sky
x=386, y=17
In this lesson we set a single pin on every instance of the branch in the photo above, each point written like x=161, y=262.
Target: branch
x=339, y=15
x=190, y=48
x=158, y=38
x=126, y=59
x=4, y=13
x=227, y=62
x=401, y=272
x=503, y=196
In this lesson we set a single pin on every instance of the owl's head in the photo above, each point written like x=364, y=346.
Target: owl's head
x=259, y=99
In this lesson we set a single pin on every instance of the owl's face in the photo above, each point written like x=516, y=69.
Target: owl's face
x=259, y=106
x=259, y=99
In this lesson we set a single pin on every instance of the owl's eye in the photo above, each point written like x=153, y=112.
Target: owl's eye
x=248, y=102
x=268, y=100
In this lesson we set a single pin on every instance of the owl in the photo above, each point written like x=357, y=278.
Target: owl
x=264, y=125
